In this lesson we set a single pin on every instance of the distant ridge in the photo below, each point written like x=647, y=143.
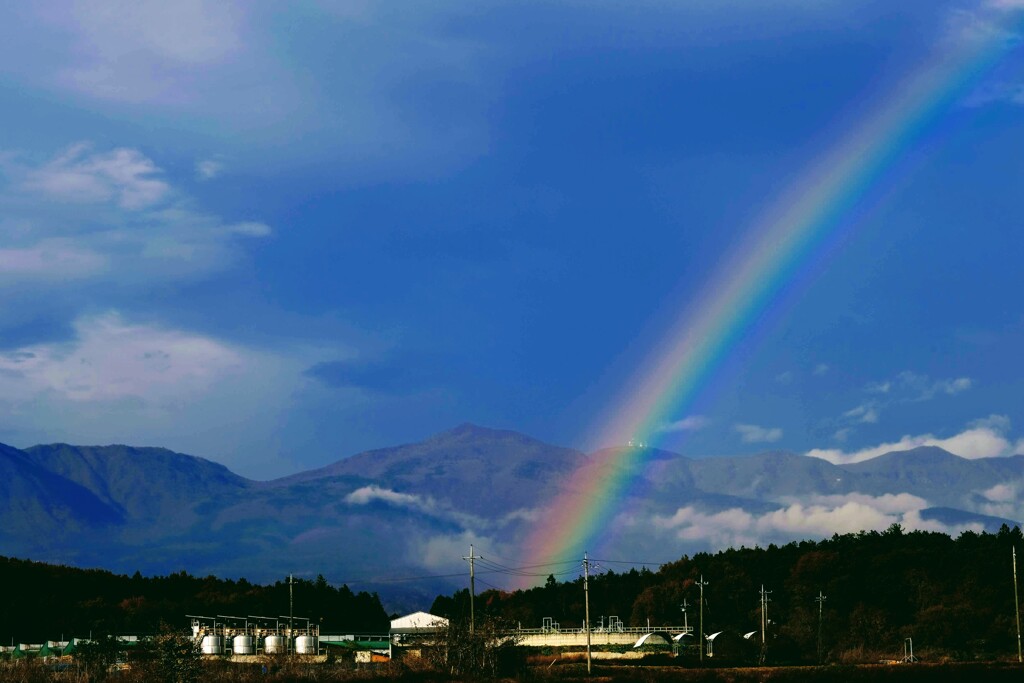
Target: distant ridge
x=412, y=510
x=37, y=501
x=123, y=477
x=487, y=470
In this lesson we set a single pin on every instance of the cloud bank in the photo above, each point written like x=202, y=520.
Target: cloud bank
x=757, y=434
x=109, y=217
x=799, y=520
x=985, y=438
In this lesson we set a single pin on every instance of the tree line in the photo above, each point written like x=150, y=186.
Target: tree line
x=951, y=596
x=45, y=602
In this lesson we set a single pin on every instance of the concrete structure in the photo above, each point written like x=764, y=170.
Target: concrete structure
x=551, y=637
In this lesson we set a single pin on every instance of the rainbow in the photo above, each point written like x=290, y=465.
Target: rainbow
x=788, y=235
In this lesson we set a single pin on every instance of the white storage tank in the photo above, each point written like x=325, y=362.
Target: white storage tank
x=275, y=645
x=212, y=645
x=243, y=645
x=305, y=645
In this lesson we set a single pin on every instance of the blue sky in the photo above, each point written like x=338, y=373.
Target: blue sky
x=276, y=235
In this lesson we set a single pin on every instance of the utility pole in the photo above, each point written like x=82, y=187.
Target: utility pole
x=764, y=623
x=821, y=603
x=586, y=604
x=1016, y=602
x=291, y=610
x=700, y=641
x=686, y=624
x=472, y=588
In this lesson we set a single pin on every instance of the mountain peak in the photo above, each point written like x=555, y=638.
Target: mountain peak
x=921, y=455
x=928, y=451
x=467, y=433
x=470, y=429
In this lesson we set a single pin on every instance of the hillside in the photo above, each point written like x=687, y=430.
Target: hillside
x=412, y=510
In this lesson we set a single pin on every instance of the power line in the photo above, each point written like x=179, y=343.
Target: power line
x=491, y=585
x=633, y=562
x=400, y=580
x=492, y=567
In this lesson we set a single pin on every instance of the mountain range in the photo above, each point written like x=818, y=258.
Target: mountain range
x=410, y=512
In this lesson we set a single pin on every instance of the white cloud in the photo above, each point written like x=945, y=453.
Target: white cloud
x=982, y=439
x=992, y=22
x=105, y=215
x=444, y=552
x=917, y=387
x=756, y=434
x=866, y=413
x=529, y=515
x=250, y=229
x=56, y=259
x=984, y=24
x=124, y=175
x=821, y=517
x=842, y=434
x=208, y=169
x=821, y=369
x=690, y=423
x=423, y=504
x=888, y=503
x=216, y=70
x=996, y=423
x=955, y=386
x=441, y=552
x=122, y=381
x=906, y=387
x=1003, y=500
x=110, y=359
x=145, y=51
x=1001, y=493
x=374, y=493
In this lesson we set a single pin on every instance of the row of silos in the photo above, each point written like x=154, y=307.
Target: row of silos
x=245, y=644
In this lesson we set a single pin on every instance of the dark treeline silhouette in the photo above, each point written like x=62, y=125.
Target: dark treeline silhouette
x=953, y=597
x=45, y=602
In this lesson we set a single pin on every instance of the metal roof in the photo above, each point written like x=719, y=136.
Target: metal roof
x=418, y=622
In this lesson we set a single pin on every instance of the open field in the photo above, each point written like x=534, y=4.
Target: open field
x=320, y=673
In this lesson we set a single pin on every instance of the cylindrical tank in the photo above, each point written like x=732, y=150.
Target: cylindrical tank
x=305, y=645
x=243, y=645
x=212, y=645
x=275, y=645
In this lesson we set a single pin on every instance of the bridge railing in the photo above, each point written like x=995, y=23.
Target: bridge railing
x=632, y=630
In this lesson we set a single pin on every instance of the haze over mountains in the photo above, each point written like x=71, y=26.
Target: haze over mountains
x=412, y=510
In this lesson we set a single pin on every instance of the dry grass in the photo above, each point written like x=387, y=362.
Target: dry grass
x=541, y=670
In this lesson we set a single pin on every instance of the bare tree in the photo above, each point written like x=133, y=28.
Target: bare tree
x=491, y=649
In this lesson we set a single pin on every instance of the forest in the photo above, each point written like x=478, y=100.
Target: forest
x=953, y=597
x=50, y=602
